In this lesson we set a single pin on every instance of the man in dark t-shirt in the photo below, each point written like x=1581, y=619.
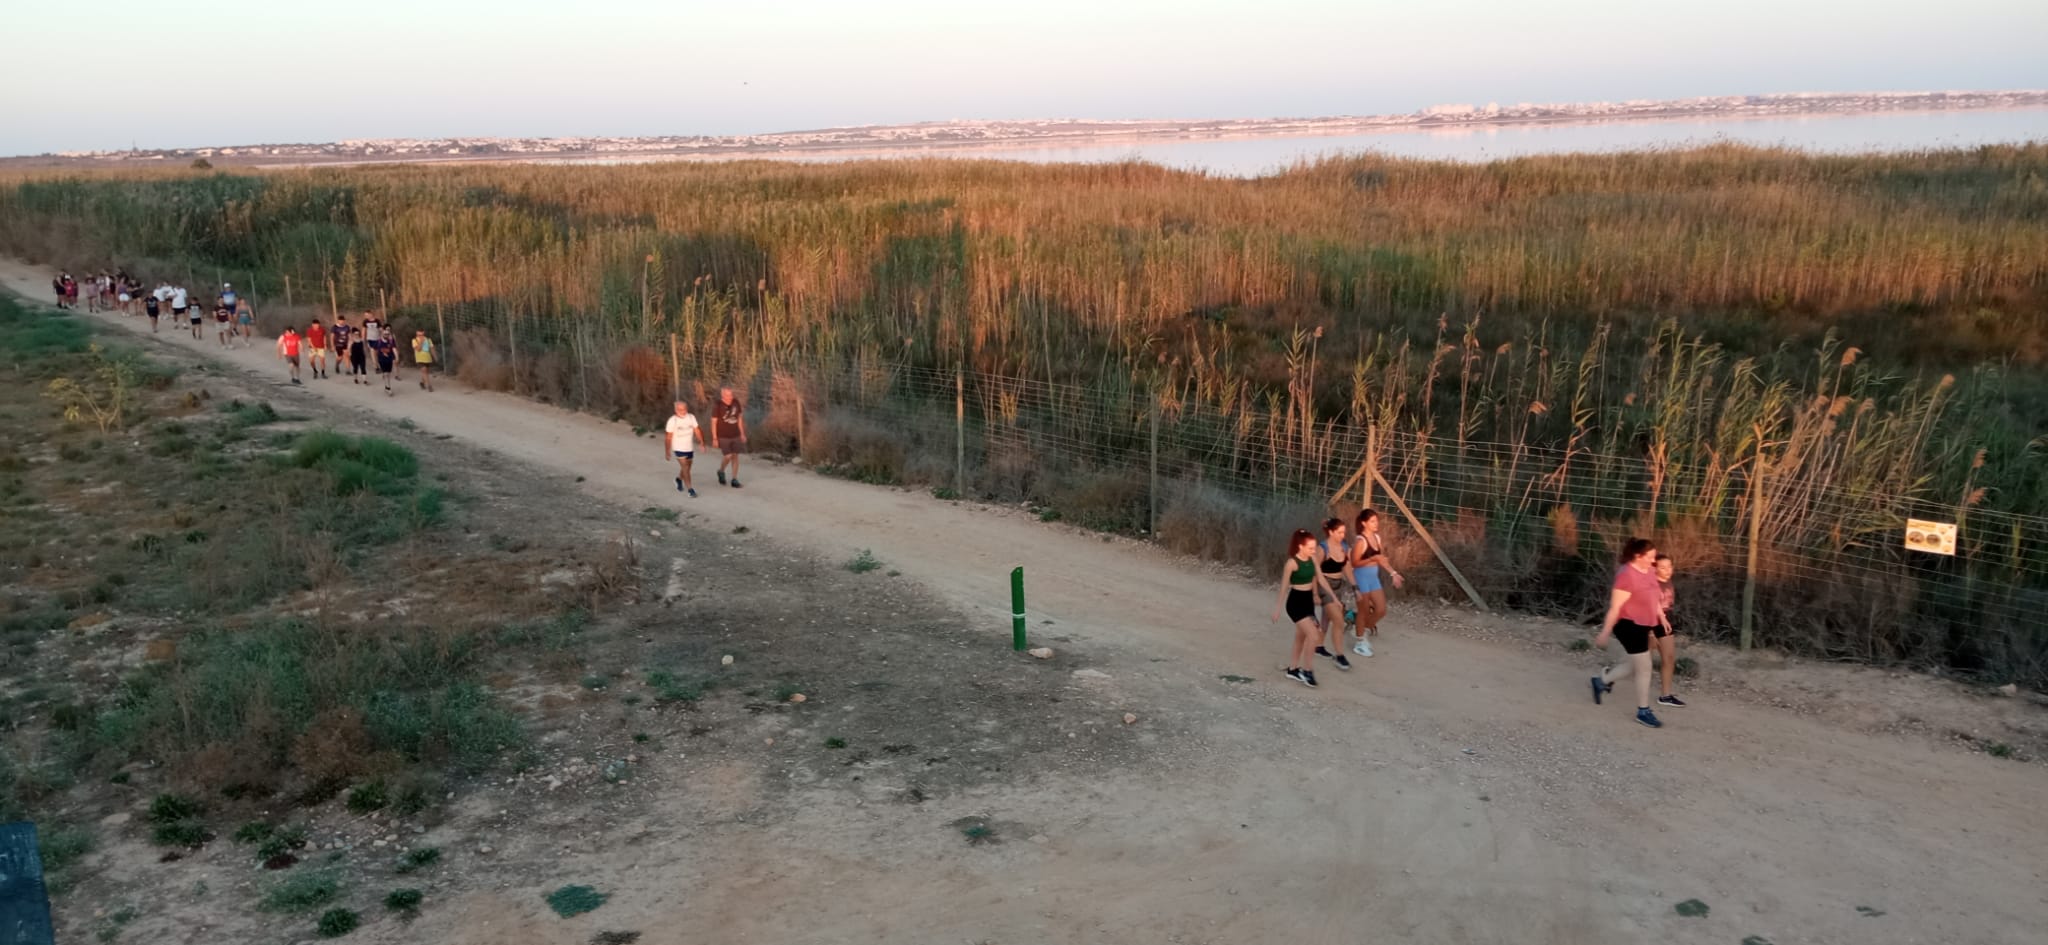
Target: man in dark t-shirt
x=729, y=433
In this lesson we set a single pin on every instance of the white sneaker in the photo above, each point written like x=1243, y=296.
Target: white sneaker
x=1361, y=648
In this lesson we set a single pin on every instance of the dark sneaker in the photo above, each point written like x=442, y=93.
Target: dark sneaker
x=1343, y=663
x=1295, y=675
x=679, y=483
x=1324, y=653
x=735, y=483
x=1672, y=701
x=693, y=493
x=1649, y=718
x=1309, y=676
x=721, y=477
x=1599, y=687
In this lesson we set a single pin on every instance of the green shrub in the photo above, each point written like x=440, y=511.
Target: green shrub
x=574, y=900
x=335, y=923
x=419, y=859
x=169, y=808
x=302, y=892
x=403, y=900
x=371, y=796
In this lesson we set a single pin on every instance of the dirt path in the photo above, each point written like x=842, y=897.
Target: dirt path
x=1449, y=790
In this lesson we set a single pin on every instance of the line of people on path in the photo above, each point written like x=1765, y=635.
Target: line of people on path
x=681, y=436
x=355, y=348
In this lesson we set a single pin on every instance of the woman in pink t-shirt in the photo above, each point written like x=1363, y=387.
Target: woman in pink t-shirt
x=1635, y=609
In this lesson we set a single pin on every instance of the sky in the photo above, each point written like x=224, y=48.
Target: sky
x=107, y=74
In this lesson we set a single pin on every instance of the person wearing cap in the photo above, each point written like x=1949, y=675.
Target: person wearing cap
x=423, y=355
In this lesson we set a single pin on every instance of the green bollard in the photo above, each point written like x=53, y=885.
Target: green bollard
x=1017, y=609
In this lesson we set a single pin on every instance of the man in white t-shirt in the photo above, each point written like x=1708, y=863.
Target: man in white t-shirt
x=680, y=441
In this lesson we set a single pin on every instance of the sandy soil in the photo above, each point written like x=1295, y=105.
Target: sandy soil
x=1457, y=788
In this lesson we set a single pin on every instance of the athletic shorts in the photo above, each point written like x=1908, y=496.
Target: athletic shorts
x=384, y=365
x=1661, y=631
x=180, y=311
x=1368, y=578
x=1634, y=637
x=1336, y=593
x=731, y=446
x=196, y=320
x=686, y=454
x=124, y=296
x=1301, y=605
x=292, y=359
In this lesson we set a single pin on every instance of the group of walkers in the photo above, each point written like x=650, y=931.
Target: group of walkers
x=234, y=318
x=355, y=348
x=728, y=436
x=1332, y=584
x=1338, y=583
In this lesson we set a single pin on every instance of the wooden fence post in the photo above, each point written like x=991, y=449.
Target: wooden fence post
x=287, y=292
x=959, y=429
x=1152, y=495
x=441, y=324
x=1372, y=462
x=675, y=368
x=333, y=302
x=1756, y=515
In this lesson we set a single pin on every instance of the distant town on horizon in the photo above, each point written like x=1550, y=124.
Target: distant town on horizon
x=983, y=133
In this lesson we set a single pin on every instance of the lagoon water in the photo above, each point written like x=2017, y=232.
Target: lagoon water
x=1250, y=157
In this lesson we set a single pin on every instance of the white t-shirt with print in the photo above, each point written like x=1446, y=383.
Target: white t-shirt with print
x=683, y=433
x=178, y=298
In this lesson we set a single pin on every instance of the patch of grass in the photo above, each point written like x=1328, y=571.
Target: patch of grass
x=335, y=923
x=1686, y=666
x=281, y=841
x=255, y=831
x=1048, y=514
x=739, y=529
x=595, y=682
x=302, y=892
x=415, y=860
x=241, y=415
x=1691, y=909
x=946, y=493
x=1579, y=645
x=1234, y=678
x=863, y=562
x=403, y=900
x=654, y=513
x=369, y=796
x=575, y=900
x=1755, y=940
x=1998, y=749
x=668, y=687
x=180, y=833
x=835, y=742
x=978, y=833
x=62, y=847
x=1869, y=912
x=169, y=808
x=640, y=736
x=615, y=938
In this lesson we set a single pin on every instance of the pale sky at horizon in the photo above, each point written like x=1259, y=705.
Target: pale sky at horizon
x=98, y=74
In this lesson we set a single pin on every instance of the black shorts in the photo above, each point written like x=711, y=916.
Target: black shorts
x=384, y=365
x=1301, y=605
x=1634, y=637
x=355, y=353
x=1661, y=631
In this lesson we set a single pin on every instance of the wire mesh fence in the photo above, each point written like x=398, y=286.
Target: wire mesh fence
x=1529, y=527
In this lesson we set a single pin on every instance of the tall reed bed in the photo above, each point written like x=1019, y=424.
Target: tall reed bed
x=1548, y=345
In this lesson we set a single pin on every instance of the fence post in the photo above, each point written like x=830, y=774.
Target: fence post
x=1756, y=516
x=1372, y=462
x=287, y=292
x=799, y=424
x=959, y=429
x=441, y=323
x=333, y=302
x=383, y=305
x=1152, y=495
x=675, y=370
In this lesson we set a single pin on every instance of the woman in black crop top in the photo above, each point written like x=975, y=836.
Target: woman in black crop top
x=1301, y=581
x=1333, y=556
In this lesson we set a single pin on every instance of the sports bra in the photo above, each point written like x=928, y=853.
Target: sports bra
x=1330, y=566
x=1304, y=572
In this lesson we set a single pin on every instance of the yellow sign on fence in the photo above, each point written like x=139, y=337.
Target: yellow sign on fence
x=1935, y=538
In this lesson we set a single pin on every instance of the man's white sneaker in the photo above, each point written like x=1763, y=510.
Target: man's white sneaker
x=1361, y=648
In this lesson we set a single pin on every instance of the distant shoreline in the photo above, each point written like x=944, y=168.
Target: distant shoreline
x=909, y=141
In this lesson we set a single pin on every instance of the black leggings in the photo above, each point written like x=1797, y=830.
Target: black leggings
x=355, y=358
